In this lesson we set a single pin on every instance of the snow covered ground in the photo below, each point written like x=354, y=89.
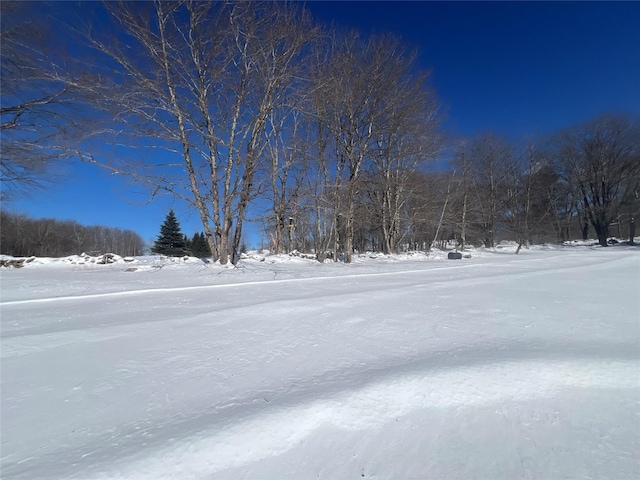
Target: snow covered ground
x=406, y=367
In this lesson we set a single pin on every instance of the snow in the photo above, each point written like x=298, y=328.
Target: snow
x=407, y=366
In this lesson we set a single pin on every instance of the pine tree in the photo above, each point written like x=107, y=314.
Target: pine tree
x=171, y=241
x=199, y=246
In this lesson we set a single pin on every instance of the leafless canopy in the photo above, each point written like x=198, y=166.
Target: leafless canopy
x=193, y=86
x=600, y=159
x=39, y=121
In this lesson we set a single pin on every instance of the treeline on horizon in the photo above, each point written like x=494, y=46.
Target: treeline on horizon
x=22, y=236
x=331, y=140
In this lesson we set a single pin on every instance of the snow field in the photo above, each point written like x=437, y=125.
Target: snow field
x=498, y=366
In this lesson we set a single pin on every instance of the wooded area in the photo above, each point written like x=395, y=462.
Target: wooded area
x=330, y=139
x=22, y=236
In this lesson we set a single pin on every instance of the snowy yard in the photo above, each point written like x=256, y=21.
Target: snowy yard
x=407, y=367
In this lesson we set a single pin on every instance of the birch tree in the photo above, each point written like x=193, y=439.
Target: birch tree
x=464, y=188
x=195, y=83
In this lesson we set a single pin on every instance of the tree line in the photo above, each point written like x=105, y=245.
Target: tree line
x=253, y=111
x=555, y=188
x=582, y=182
x=22, y=236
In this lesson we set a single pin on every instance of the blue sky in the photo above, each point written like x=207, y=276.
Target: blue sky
x=516, y=68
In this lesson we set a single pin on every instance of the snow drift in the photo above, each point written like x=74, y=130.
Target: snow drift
x=414, y=366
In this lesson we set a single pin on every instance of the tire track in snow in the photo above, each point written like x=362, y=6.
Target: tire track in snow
x=349, y=276
x=56, y=334
x=220, y=286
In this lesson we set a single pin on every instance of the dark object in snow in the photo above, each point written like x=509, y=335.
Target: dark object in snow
x=16, y=262
x=12, y=262
x=106, y=259
x=454, y=256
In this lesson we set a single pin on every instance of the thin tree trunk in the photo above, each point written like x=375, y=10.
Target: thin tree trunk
x=463, y=230
x=444, y=208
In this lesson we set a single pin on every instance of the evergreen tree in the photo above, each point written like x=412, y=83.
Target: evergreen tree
x=171, y=241
x=199, y=246
x=187, y=245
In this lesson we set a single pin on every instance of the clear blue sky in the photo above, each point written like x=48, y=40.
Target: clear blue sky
x=513, y=67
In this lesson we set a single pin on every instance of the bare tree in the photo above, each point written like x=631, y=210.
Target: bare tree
x=424, y=207
x=363, y=96
x=324, y=186
x=287, y=153
x=463, y=190
x=601, y=159
x=326, y=167
x=525, y=205
x=199, y=81
x=406, y=136
x=40, y=123
x=490, y=156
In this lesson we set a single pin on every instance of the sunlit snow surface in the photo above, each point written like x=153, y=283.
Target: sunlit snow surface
x=496, y=366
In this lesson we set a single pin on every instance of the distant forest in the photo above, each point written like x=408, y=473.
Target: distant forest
x=24, y=236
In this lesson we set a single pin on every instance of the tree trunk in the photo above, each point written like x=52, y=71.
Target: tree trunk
x=463, y=229
x=336, y=236
x=602, y=231
x=348, y=243
x=247, y=188
x=221, y=247
x=585, y=230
